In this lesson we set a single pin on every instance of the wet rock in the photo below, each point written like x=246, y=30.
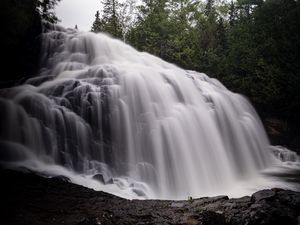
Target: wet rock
x=210, y=217
x=264, y=194
x=109, y=181
x=139, y=192
x=288, y=197
x=62, y=178
x=94, y=221
x=177, y=204
x=99, y=177
x=27, y=198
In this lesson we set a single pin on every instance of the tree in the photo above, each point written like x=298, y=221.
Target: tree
x=46, y=10
x=209, y=8
x=182, y=45
x=232, y=14
x=127, y=16
x=151, y=32
x=98, y=24
x=111, y=18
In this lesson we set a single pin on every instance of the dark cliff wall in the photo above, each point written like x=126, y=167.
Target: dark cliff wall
x=20, y=44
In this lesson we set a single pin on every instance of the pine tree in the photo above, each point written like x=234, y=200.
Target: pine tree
x=110, y=19
x=221, y=35
x=151, y=33
x=209, y=8
x=46, y=10
x=232, y=13
x=97, y=25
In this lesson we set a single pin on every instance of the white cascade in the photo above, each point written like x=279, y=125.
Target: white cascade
x=148, y=128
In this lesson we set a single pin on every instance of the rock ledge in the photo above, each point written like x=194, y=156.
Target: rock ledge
x=33, y=200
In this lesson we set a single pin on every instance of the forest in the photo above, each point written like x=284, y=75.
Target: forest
x=251, y=46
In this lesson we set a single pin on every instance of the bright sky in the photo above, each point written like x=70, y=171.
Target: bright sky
x=77, y=12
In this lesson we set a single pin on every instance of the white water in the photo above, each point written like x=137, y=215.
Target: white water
x=150, y=128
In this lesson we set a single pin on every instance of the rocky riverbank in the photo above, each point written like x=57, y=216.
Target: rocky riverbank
x=282, y=133
x=29, y=199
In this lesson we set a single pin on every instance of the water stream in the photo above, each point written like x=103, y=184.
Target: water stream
x=126, y=122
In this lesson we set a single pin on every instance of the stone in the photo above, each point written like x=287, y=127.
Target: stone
x=264, y=194
x=99, y=177
x=62, y=178
x=27, y=198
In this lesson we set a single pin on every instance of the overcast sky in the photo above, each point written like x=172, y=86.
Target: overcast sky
x=77, y=12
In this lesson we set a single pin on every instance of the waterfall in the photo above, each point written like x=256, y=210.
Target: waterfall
x=126, y=121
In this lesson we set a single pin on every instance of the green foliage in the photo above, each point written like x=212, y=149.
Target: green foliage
x=152, y=28
x=98, y=24
x=190, y=199
x=110, y=20
x=46, y=10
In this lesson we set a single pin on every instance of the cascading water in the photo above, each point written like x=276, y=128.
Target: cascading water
x=144, y=127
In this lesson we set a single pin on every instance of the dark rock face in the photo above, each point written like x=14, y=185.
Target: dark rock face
x=261, y=195
x=281, y=132
x=99, y=177
x=20, y=42
x=30, y=199
x=62, y=178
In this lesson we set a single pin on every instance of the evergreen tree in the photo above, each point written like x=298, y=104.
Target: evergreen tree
x=127, y=13
x=97, y=25
x=221, y=35
x=232, y=13
x=182, y=41
x=46, y=10
x=209, y=8
x=111, y=18
x=151, y=32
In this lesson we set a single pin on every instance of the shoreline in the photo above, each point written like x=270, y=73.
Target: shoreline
x=30, y=199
